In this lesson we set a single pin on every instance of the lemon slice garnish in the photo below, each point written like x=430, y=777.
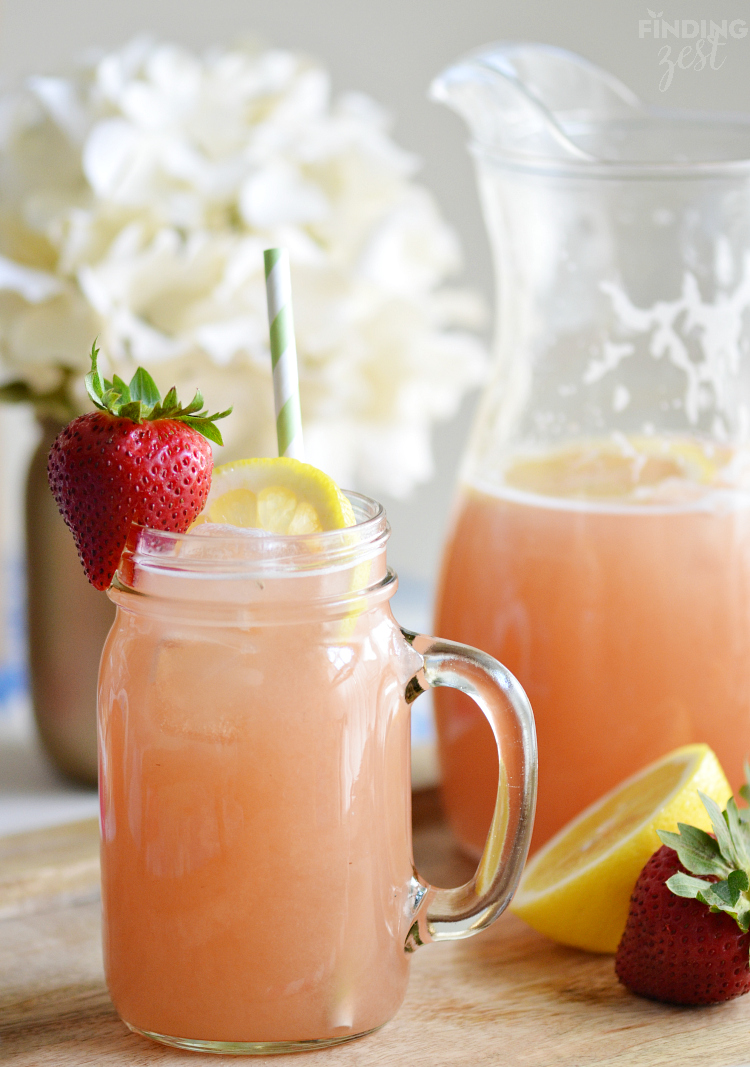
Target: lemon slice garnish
x=577, y=888
x=280, y=495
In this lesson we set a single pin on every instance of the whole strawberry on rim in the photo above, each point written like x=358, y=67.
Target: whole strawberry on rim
x=687, y=938
x=137, y=458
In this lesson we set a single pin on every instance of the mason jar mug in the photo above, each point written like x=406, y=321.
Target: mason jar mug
x=259, y=892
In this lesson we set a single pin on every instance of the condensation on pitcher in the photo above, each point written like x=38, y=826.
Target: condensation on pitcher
x=700, y=337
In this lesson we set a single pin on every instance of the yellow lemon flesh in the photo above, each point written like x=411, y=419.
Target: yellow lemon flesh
x=642, y=469
x=577, y=888
x=281, y=495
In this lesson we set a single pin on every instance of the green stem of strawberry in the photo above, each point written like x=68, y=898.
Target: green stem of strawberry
x=140, y=401
x=724, y=857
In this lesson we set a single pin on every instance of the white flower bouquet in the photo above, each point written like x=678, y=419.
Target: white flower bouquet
x=136, y=198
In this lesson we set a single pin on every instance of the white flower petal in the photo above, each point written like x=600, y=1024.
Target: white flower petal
x=412, y=250
x=35, y=286
x=57, y=332
x=61, y=100
x=140, y=194
x=108, y=155
x=114, y=71
x=277, y=195
x=223, y=340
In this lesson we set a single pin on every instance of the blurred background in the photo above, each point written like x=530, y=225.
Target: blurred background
x=390, y=50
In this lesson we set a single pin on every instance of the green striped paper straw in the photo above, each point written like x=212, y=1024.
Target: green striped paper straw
x=283, y=354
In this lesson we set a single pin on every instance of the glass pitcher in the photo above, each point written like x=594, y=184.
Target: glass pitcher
x=600, y=545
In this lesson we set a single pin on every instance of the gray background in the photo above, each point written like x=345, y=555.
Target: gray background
x=392, y=49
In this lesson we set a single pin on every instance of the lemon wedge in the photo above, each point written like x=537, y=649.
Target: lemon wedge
x=281, y=495
x=577, y=888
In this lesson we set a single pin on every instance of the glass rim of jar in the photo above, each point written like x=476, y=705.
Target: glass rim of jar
x=255, y=554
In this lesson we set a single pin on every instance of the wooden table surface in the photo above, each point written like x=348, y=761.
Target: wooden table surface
x=505, y=997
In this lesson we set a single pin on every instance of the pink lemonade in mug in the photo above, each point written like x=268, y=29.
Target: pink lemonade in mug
x=258, y=884
x=258, y=887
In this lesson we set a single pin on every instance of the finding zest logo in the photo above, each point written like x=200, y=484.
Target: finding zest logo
x=706, y=38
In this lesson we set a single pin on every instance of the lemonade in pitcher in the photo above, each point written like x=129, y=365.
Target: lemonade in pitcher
x=614, y=579
x=600, y=544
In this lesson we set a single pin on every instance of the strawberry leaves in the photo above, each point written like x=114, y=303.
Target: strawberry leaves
x=725, y=858
x=140, y=401
x=696, y=849
x=143, y=389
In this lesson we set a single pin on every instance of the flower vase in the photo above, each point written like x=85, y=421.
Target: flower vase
x=68, y=622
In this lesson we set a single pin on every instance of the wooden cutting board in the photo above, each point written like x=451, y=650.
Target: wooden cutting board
x=505, y=997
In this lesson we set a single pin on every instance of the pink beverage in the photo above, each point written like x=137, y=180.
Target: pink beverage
x=258, y=883
x=616, y=586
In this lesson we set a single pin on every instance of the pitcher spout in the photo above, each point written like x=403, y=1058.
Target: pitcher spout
x=527, y=101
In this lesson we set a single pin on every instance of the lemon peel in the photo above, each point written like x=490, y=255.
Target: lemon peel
x=577, y=888
x=280, y=495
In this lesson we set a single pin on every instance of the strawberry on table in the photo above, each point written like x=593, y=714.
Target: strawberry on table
x=138, y=458
x=686, y=940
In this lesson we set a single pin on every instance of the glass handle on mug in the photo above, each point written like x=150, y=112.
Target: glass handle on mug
x=448, y=914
